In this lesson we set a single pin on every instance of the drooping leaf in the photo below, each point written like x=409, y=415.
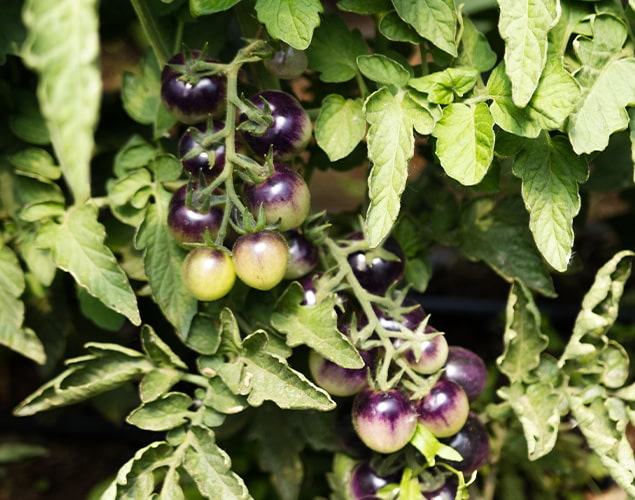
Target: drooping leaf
x=279, y=452
x=62, y=46
x=162, y=414
x=599, y=311
x=163, y=260
x=524, y=341
x=340, y=126
x=315, y=326
x=158, y=350
x=158, y=382
x=106, y=367
x=12, y=333
x=498, y=235
x=77, y=246
x=207, y=7
x=291, y=21
x=550, y=173
x=383, y=70
x=395, y=29
x=603, y=424
x=524, y=26
x=537, y=406
x=474, y=49
x=334, y=50
x=434, y=20
x=548, y=108
x=210, y=467
x=390, y=148
x=95, y=310
x=465, y=141
x=607, y=86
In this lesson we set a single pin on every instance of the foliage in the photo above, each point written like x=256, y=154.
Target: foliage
x=524, y=111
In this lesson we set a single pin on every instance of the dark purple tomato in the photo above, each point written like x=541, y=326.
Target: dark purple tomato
x=308, y=284
x=467, y=369
x=303, y=255
x=444, y=410
x=208, y=273
x=260, y=259
x=196, y=160
x=191, y=99
x=287, y=63
x=345, y=433
x=376, y=272
x=384, y=420
x=472, y=443
x=188, y=225
x=284, y=197
x=430, y=355
x=336, y=380
x=447, y=491
x=290, y=132
x=364, y=482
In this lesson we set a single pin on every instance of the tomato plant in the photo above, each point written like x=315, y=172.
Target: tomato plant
x=323, y=249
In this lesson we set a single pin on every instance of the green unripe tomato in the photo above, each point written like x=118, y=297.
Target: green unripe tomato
x=261, y=259
x=208, y=273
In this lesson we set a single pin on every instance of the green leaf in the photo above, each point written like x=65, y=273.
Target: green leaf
x=465, y=141
x=141, y=96
x=106, y=367
x=315, y=326
x=603, y=424
x=442, y=86
x=62, y=46
x=606, y=80
x=599, y=311
x=157, y=383
x=340, y=126
x=36, y=163
x=364, y=6
x=162, y=414
x=383, y=70
x=12, y=32
x=220, y=398
x=393, y=28
x=262, y=376
x=537, y=407
x=390, y=148
x=210, y=467
x=550, y=172
x=524, y=27
x=334, y=50
x=548, y=108
x=29, y=124
x=158, y=351
x=12, y=334
x=430, y=447
x=291, y=21
x=422, y=113
x=524, y=342
x=95, y=310
x=474, y=49
x=207, y=7
x=434, y=20
x=279, y=452
x=77, y=246
x=133, y=155
x=497, y=234
x=163, y=259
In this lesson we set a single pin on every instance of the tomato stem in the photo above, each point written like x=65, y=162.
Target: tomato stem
x=152, y=32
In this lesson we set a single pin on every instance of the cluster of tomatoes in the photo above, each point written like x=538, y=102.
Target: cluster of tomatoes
x=271, y=129
x=261, y=214
x=376, y=425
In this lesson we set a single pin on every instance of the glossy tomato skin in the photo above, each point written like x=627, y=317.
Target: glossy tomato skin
x=303, y=255
x=287, y=63
x=336, y=380
x=365, y=482
x=261, y=259
x=192, y=103
x=188, y=225
x=284, y=197
x=208, y=273
x=467, y=369
x=430, y=356
x=472, y=443
x=375, y=273
x=444, y=410
x=384, y=420
x=200, y=163
x=290, y=132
